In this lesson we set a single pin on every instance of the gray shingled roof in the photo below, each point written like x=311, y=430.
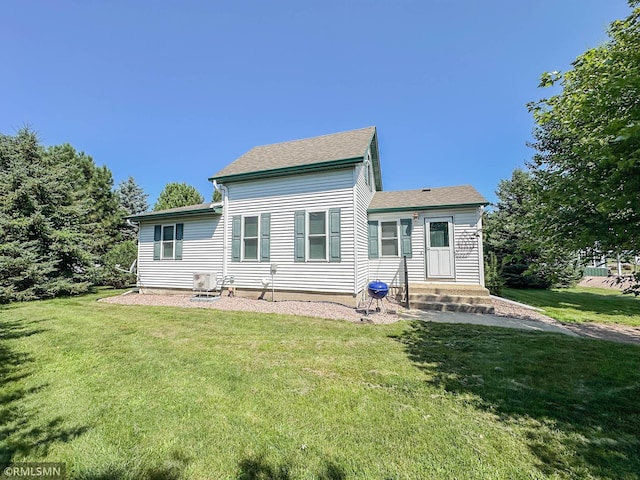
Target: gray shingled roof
x=179, y=211
x=427, y=198
x=308, y=151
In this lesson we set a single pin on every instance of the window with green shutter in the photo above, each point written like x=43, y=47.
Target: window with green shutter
x=299, y=240
x=236, y=232
x=373, y=239
x=334, y=235
x=157, y=237
x=167, y=241
x=265, y=237
x=251, y=238
x=406, y=225
x=179, y=235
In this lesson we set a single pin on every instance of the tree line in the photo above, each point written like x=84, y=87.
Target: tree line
x=62, y=227
x=579, y=195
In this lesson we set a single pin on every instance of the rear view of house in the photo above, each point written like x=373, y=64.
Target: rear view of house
x=313, y=213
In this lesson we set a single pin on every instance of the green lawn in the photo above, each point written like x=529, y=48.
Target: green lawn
x=163, y=393
x=582, y=304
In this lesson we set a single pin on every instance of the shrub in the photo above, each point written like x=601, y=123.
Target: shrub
x=115, y=264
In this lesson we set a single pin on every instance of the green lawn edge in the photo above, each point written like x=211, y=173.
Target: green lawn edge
x=581, y=304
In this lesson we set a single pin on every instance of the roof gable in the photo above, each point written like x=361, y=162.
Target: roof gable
x=299, y=155
x=426, y=199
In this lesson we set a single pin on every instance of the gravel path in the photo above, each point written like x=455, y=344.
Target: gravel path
x=616, y=333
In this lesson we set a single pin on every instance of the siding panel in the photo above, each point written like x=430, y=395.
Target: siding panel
x=282, y=197
x=363, y=196
x=466, y=224
x=201, y=252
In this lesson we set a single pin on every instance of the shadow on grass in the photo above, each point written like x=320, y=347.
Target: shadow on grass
x=20, y=434
x=588, y=302
x=577, y=401
x=258, y=468
x=172, y=469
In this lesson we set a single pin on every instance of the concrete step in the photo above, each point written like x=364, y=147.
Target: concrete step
x=432, y=297
x=453, y=307
x=448, y=289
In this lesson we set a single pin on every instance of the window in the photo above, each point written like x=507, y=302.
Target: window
x=439, y=234
x=167, y=241
x=317, y=236
x=389, y=239
x=251, y=238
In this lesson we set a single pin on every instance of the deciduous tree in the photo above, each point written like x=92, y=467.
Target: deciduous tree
x=587, y=164
x=176, y=195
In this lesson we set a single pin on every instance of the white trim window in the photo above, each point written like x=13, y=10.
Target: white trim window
x=250, y=237
x=167, y=241
x=389, y=239
x=168, y=237
x=317, y=236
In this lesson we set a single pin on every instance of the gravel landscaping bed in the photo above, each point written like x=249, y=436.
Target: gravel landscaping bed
x=511, y=310
x=309, y=309
x=327, y=310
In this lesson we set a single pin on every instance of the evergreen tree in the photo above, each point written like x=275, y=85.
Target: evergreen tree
x=45, y=248
x=132, y=197
x=526, y=258
x=94, y=185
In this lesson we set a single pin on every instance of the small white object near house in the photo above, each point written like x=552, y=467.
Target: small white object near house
x=204, y=283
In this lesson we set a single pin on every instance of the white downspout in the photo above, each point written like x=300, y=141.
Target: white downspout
x=225, y=220
x=136, y=225
x=479, y=228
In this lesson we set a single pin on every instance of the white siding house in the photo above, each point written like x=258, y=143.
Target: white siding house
x=314, y=210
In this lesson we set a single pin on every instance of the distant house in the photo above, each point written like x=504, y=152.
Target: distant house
x=315, y=209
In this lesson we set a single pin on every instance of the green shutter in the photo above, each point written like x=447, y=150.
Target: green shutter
x=179, y=233
x=334, y=235
x=265, y=237
x=236, y=226
x=299, y=236
x=157, y=235
x=373, y=239
x=405, y=236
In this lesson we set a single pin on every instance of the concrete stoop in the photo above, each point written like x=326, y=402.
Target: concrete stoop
x=450, y=298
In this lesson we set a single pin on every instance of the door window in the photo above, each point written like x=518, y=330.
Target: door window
x=439, y=234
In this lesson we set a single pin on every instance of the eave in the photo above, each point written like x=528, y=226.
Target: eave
x=297, y=169
x=217, y=210
x=425, y=207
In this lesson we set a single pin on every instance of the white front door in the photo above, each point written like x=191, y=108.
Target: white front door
x=439, y=242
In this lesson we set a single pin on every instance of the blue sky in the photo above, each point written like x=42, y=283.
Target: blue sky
x=172, y=91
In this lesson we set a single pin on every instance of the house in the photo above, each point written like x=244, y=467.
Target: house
x=315, y=211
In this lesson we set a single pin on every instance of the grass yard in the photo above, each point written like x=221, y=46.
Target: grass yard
x=582, y=304
x=165, y=393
